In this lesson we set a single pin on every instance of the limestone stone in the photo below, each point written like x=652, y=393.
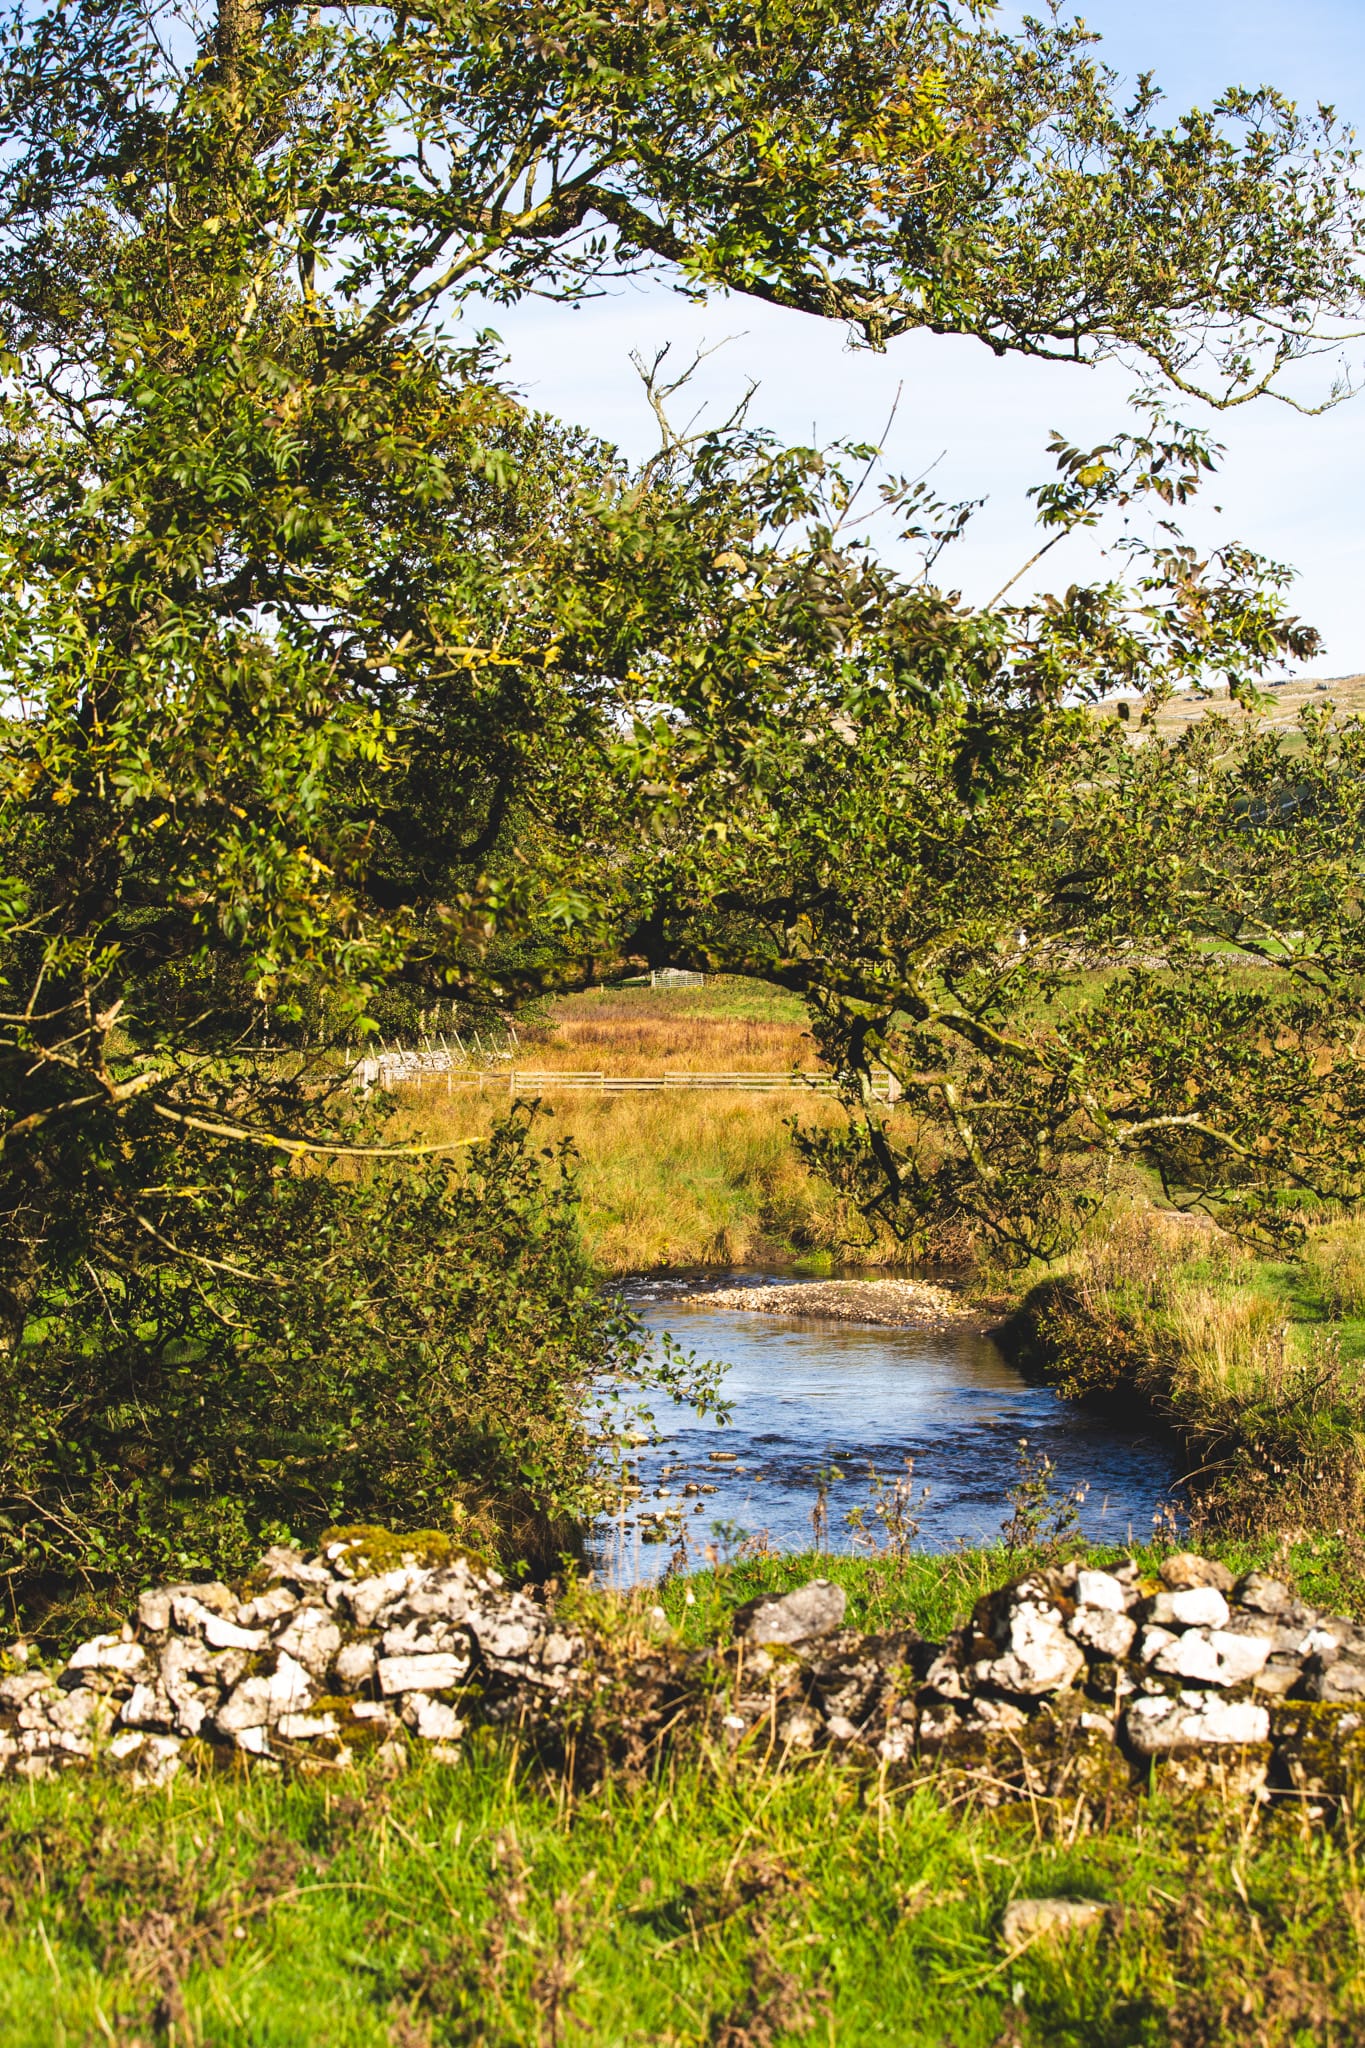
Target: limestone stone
x=367, y=1598
x=107, y=1653
x=420, y=1635
x=24, y=1686
x=1100, y=1589
x=1187, y=1570
x=1031, y=1920
x=248, y=1706
x=354, y=1665
x=897, y=1745
x=1279, y=1677
x=448, y=1593
x=1189, y=1607
x=813, y=1610
x=311, y=1637
x=432, y=1720
x=280, y=1562
x=1156, y=1726
x=1341, y=1679
x=158, y=1761
x=1328, y=1637
x=290, y=1687
x=148, y=1706
x=1213, y=1656
x=267, y=1607
x=371, y=1711
x=154, y=1610
x=192, y=1681
x=1101, y=1629
x=191, y=1604
x=1262, y=1595
x=222, y=1634
x=306, y=1727
x=421, y=1674
x=1036, y=1655
x=945, y=1674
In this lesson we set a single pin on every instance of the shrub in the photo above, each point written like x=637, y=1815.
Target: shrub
x=417, y=1346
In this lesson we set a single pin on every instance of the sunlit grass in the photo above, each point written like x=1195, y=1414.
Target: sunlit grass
x=687, y=1179
x=709, y=1899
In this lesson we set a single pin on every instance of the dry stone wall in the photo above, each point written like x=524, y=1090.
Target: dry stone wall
x=1066, y=1679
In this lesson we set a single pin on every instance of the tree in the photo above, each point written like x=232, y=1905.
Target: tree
x=329, y=666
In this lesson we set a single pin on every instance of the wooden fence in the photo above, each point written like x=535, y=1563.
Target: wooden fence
x=436, y=1059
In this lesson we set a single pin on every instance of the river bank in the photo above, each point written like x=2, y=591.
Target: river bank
x=859, y=1430
x=1256, y=1364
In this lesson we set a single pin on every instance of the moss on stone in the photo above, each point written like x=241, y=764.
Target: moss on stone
x=371, y=1551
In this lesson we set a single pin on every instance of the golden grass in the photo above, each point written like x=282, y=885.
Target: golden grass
x=1334, y=1266
x=581, y=1041
x=1256, y=1362
x=682, y=1180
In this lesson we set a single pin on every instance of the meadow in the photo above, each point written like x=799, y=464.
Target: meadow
x=687, y=1179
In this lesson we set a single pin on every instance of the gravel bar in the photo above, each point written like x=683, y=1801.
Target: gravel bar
x=894, y=1304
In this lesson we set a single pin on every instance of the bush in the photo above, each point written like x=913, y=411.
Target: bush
x=415, y=1345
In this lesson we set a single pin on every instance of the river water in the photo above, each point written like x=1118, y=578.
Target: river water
x=824, y=1397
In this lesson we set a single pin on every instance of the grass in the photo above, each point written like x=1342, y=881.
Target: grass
x=1258, y=1363
x=684, y=1180
x=741, y=1901
x=696, y=1179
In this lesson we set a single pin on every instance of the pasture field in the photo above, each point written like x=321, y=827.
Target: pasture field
x=692, y=1179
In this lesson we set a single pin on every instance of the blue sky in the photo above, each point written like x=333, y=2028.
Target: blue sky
x=1291, y=486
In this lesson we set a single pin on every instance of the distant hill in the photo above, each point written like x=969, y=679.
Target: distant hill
x=1347, y=693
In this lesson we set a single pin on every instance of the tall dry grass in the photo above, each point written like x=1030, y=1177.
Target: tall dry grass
x=682, y=1043
x=1334, y=1266
x=681, y=1180
x=1175, y=1317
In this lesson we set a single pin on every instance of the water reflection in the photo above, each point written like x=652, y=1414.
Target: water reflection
x=808, y=1396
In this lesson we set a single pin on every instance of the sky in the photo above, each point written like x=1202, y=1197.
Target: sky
x=1291, y=486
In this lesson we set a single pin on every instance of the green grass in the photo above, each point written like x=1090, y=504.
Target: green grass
x=714, y=1899
x=1259, y=1363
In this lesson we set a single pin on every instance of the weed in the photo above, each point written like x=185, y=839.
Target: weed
x=1041, y=1520
x=896, y=1507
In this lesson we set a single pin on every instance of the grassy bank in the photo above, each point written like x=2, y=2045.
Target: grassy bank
x=724, y=1900
x=1259, y=1364
x=684, y=1180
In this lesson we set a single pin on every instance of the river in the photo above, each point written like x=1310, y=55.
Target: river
x=813, y=1397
